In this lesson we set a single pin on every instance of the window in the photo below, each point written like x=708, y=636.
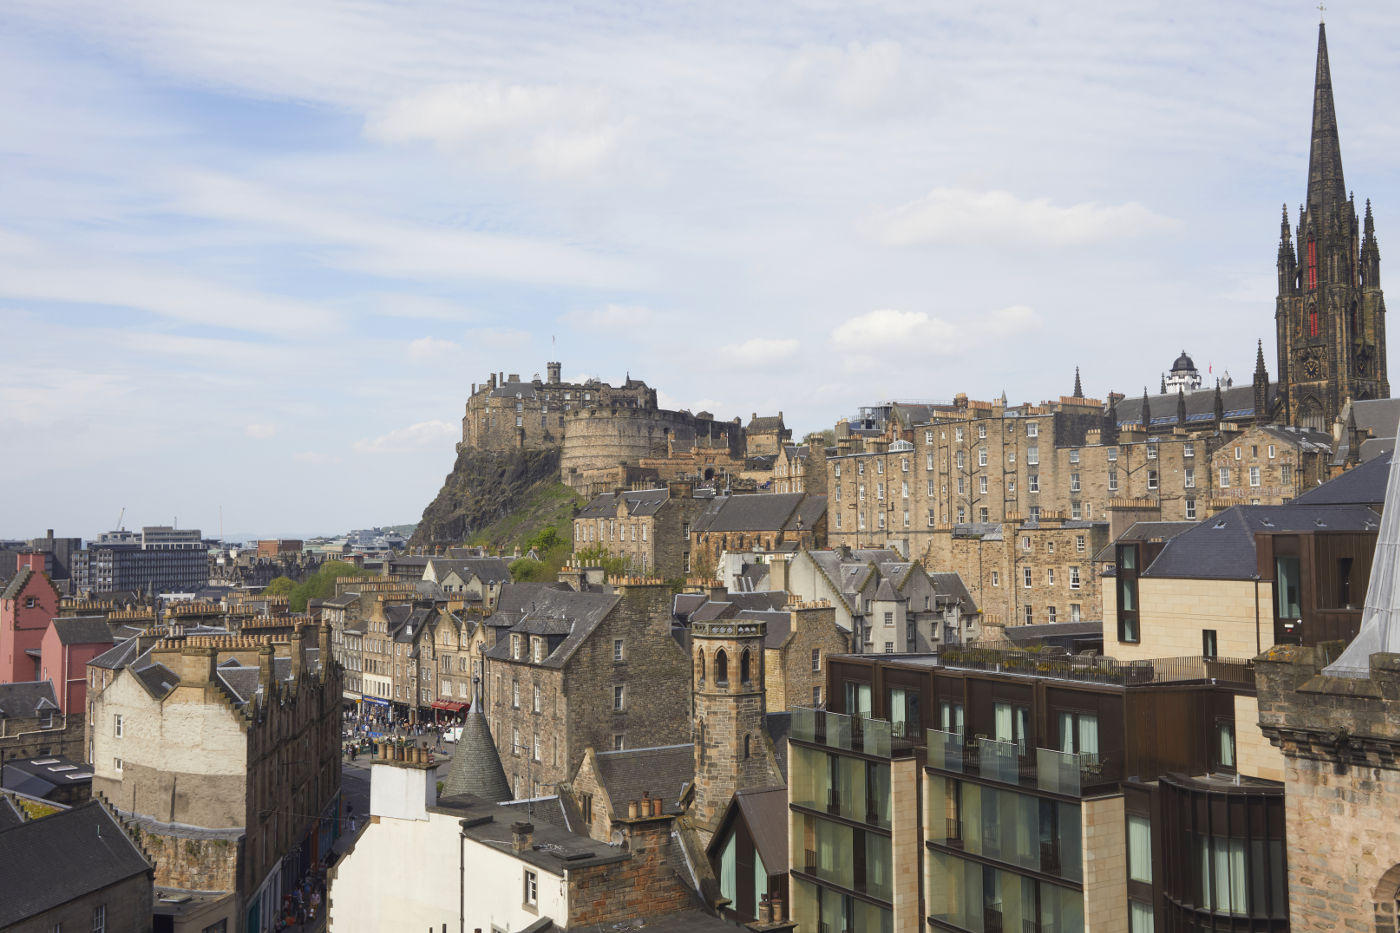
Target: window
x=889, y=647
x=880, y=467
x=1050, y=614
x=906, y=518
x=838, y=471
x=1074, y=482
x=537, y=703
x=1188, y=450
x=1032, y=455
x=860, y=492
x=880, y=520
x=1208, y=643
x=99, y=919
x=1285, y=474
x=1191, y=509
x=619, y=697
x=1112, y=480
x=1012, y=724
x=1074, y=578
x=1030, y=615
x=928, y=437
x=517, y=646
x=1079, y=543
x=618, y=654
x=1032, y=429
x=816, y=660
x=1224, y=477
x=1113, y=455
x=1271, y=451
x=981, y=456
x=817, y=695
x=1189, y=478
x=950, y=717
x=962, y=514
x=1074, y=612
x=537, y=748
x=904, y=466
x=1126, y=561
x=1026, y=577
x=904, y=490
x=957, y=434
x=1151, y=479
x=1225, y=744
x=532, y=889
x=1140, y=917
x=1238, y=453
x=996, y=578
x=960, y=460
x=982, y=514
x=1011, y=486
x=982, y=431
x=962, y=485
x=537, y=649
x=1254, y=476
x=117, y=765
x=1033, y=482
x=1151, y=448
x=860, y=467
x=117, y=725
x=1139, y=849
x=1034, y=513
x=982, y=485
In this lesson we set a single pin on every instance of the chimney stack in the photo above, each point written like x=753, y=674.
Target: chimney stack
x=522, y=836
x=265, y=670
x=298, y=658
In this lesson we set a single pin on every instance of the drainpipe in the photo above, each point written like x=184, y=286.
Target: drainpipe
x=462, y=878
x=1258, y=643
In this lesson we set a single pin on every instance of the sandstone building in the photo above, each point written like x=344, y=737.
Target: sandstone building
x=649, y=528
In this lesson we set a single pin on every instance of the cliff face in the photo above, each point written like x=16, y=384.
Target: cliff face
x=484, y=487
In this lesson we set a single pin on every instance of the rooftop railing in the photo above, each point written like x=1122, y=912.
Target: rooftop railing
x=1237, y=671
x=851, y=733
x=1047, y=769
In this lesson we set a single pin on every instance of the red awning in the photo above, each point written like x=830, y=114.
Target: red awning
x=450, y=707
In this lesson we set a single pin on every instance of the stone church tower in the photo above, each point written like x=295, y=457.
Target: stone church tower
x=732, y=748
x=1330, y=314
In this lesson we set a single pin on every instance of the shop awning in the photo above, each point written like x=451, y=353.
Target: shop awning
x=450, y=707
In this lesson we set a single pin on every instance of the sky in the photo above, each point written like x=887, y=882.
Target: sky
x=254, y=254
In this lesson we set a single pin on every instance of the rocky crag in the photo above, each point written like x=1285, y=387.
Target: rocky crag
x=484, y=488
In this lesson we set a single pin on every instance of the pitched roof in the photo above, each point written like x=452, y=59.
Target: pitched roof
x=633, y=773
x=1222, y=547
x=777, y=629
x=1238, y=402
x=569, y=616
x=1141, y=532
x=27, y=699
x=487, y=569
x=54, y=860
x=84, y=630
x=638, y=502
x=770, y=511
x=10, y=814
x=766, y=814
x=1361, y=485
x=765, y=424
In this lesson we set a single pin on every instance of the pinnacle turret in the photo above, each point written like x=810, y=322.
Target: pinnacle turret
x=1079, y=388
x=1146, y=410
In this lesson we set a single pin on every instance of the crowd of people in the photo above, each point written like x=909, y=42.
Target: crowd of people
x=372, y=722
x=301, y=907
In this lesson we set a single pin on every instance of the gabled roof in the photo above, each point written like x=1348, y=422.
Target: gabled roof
x=1222, y=547
x=1238, y=402
x=778, y=625
x=1143, y=532
x=21, y=579
x=772, y=511
x=765, y=424
x=563, y=612
x=60, y=858
x=27, y=699
x=10, y=814
x=486, y=569
x=633, y=773
x=637, y=501
x=765, y=813
x=84, y=630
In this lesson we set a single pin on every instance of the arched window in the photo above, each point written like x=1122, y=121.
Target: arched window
x=744, y=667
x=721, y=668
x=700, y=666
x=746, y=746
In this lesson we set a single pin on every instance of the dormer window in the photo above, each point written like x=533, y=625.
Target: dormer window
x=517, y=646
x=537, y=649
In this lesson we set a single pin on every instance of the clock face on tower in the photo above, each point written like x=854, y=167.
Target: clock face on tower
x=1312, y=368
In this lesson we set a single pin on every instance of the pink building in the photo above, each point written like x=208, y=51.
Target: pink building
x=68, y=646
x=27, y=604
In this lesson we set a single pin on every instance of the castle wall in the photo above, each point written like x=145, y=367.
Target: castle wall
x=601, y=439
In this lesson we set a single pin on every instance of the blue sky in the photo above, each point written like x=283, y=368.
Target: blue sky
x=253, y=254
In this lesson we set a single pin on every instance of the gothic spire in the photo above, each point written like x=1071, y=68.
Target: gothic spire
x=1181, y=405
x=1164, y=384
x=1326, y=187
x=1146, y=410
x=1079, y=389
x=1259, y=368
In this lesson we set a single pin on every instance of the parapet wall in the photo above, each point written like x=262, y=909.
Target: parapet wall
x=602, y=438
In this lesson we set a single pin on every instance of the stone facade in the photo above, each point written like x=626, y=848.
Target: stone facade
x=1103, y=833
x=598, y=440
x=732, y=747
x=1268, y=465
x=1340, y=739
x=1175, y=612
x=504, y=413
x=649, y=528
x=795, y=664
x=595, y=687
x=125, y=905
x=767, y=435
x=800, y=469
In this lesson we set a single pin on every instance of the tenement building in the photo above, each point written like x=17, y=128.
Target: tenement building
x=224, y=751
x=648, y=528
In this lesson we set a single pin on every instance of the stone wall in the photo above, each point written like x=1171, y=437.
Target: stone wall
x=1341, y=742
x=645, y=885
x=190, y=859
x=603, y=438
x=26, y=738
x=1103, y=830
x=127, y=907
x=788, y=668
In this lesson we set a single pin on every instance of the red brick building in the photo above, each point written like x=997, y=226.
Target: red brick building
x=27, y=604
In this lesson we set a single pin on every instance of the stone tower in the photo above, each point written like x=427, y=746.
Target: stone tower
x=1330, y=315
x=732, y=747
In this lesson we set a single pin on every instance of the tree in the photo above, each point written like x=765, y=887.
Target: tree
x=614, y=565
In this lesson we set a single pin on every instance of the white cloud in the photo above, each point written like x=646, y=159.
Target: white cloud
x=761, y=351
x=420, y=436
x=888, y=330
x=958, y=215
x=432, y=350
x=857, y=78
x=1006, y=322
x=260, y=431
x=562, y=131
x=611, y=316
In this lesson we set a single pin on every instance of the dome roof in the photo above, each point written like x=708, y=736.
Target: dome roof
x=1183, y=363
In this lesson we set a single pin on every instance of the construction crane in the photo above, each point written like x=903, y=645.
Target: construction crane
x=120, y=517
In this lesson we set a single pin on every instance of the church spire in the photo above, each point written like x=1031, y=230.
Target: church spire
x=1146, y=410
x=1079, y=389
x=1259, y=368
x=1326, y=187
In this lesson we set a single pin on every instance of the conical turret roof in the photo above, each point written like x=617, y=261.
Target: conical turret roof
x=476, y=767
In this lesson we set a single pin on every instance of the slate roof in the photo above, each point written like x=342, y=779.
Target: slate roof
x=25, y=700
x=487, y=569
x=779, y=625
x=987, y=531
x=582, y=612
x=475, y=768
x=765, y=424
x=1068, y=635
x=950, y=584
x=1378, y=417
x=766, y=813
x=59, y=858
x=779, y=726
x=1361, y=485
x=512, y=389
x=1238, y=402
x=1143, y=531
x=638, y=501
x=657, y=772
x=772, y=511
x=17, y=583
x=39, y=777
x=1222, y=547
x=732, y=603
x=84, y=630
x=10, y=814
x=516, y=597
